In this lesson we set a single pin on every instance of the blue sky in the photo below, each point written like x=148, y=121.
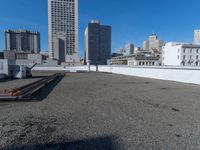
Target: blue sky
x=131, y=20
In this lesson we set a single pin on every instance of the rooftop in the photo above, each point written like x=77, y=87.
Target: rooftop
x=99, y=111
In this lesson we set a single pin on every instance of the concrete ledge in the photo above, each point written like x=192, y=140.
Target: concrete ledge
x=179, y=74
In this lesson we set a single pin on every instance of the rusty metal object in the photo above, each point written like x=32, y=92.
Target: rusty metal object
x=25, y=92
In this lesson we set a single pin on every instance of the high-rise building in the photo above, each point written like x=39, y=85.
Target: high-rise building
x=153, y=43
x=197, y=36
x=97, y=43
x=63, y=29
x=130, y=49
x=22, y=40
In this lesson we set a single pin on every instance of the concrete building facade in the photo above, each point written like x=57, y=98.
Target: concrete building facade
x=130, y=49
x=63, y=28
x=97, y=43
x=143, y=58
x=180, y=54
x=153, y=43
x=197, y=37
x=121, y=51
x=22, y=40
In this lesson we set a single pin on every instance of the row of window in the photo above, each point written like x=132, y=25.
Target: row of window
x=190, y=64
x=190, y=50
x=146, y=63
x=189, y=57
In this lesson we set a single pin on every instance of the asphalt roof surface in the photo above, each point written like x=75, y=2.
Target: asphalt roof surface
x=97, y=111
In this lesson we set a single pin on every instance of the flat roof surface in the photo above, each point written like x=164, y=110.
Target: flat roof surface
x=99, y=111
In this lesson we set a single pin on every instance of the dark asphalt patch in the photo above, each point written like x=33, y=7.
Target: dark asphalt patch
x=175, y=109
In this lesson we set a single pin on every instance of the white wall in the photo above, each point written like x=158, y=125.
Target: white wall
x=61, y=68
x=170, y=54
x=180, y=74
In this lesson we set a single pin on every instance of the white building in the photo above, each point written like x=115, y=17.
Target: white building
x=143, y=58
x=197, y=36
x=63, y=28
x=180, y=54
x=153, y=43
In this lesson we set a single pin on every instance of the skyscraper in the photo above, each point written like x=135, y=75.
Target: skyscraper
x=197, y=36
x=97, y=43
x=22, y=40
x=63, y=29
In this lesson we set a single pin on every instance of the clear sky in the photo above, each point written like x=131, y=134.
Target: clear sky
x=131, y=20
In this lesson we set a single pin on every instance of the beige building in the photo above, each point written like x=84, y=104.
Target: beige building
x=153, y=43
x=63, y=29
x=143, y=58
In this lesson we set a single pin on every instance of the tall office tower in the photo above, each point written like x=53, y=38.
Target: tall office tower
x=97, y=43
x=197, y=36
x=130, y=49
x=153, y=43
x=22, y=40
x=63, y=29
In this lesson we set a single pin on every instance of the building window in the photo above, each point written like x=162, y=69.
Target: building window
x=178, y=57
x=184, y=50
x=184, y=56
x=190, y=50
x=197, y=50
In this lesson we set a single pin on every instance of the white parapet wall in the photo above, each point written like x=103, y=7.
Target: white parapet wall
x=179, y=74
x=61, y=68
